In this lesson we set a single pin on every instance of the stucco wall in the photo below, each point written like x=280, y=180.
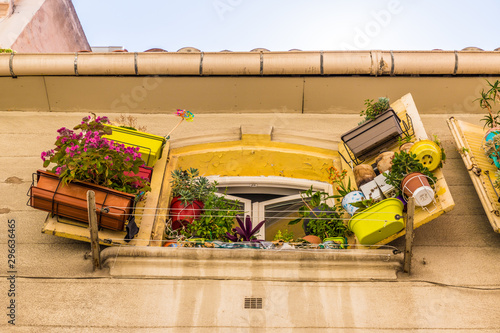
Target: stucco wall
x=54, y=28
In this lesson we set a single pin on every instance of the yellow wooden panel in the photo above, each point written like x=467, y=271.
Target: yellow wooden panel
x=469, y=139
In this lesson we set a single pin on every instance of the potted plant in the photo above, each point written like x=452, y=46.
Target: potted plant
x=245, y=232
x=84, y=159
x=346, y=194
x=319, y=218
x=284, y=236
x=379, y=128
x=410, y=177
x=375, y=222
x=488, y=101
x=215, y=221
x=189, y=191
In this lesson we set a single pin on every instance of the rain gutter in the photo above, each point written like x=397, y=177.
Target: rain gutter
x=263, y=63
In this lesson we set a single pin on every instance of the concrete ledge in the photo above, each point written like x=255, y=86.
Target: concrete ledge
x=252, y=264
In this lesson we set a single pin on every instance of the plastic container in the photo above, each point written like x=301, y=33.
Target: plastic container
x=378, y=222
x=150, y=146
x=428, y=153
x=416, y=185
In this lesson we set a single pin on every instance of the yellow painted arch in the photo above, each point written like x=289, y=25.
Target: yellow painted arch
x=257, y=155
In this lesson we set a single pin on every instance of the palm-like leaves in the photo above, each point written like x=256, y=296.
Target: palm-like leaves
x=244, y=232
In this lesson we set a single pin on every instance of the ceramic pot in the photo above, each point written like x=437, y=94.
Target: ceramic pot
x=70, y=200
x=363, y=173
x=312, y=239
x=184, y=214
x=416, y=185
x=351, y=197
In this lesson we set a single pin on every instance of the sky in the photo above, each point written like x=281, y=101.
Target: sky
x=281, y=25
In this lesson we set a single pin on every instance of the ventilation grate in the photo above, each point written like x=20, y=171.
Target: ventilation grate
x=253, y=303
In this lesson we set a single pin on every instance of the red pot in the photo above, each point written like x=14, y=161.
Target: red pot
x=181, y=214
x=144, y=172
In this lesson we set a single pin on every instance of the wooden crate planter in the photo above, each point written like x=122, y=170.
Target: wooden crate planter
x=47, y=193
x=150, y=146
x=374, y=135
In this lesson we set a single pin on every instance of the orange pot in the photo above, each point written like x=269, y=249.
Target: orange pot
x=70, y=200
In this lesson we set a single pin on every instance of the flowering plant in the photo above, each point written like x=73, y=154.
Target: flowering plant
x=337, y=178
x=88, y=156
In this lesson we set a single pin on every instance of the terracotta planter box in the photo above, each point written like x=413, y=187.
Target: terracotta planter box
x=150, y=146
x=372, y=136
x=70, y=200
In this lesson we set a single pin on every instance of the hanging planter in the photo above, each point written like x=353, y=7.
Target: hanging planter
x=150, y=146
x=417, y=186
x=374, y=135
x=48, y=193
x=378, y=222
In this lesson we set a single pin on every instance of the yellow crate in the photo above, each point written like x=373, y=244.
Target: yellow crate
x=150, y=146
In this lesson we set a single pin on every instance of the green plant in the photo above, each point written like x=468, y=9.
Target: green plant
x=488, y=101
x=216, y=219
x=321, y=219
x=337, y=178
x=463, y=150
x=492, y=148
x=189, y=186
x=403, y=140
x=87, y=156
x=443, y=154
x=363, y=205
x=403, y=164
x=285, y=235
x=373, y=109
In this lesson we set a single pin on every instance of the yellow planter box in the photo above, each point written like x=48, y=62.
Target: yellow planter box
x=150, y=146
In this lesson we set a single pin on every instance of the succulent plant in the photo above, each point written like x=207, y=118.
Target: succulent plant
x=189, y=186
x=372, y=109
